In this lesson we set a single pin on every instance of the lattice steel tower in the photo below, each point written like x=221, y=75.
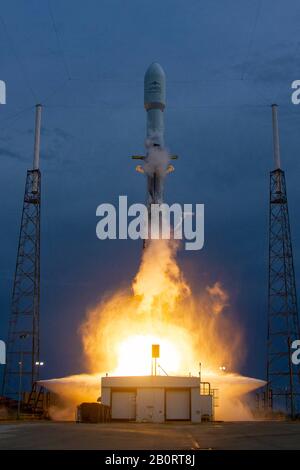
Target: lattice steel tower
x=283, y=379
x=23, y=347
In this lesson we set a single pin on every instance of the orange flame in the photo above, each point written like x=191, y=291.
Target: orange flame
x=160, y=308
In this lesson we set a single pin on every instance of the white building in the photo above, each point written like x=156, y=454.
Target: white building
x=157, y=398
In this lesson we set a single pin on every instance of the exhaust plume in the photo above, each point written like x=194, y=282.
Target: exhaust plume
x=160, y=308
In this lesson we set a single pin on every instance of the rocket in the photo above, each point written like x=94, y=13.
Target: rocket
x=156, y=161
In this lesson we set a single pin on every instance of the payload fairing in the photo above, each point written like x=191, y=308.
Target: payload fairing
x=155, y=103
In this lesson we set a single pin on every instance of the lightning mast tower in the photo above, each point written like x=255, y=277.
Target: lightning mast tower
x=283, y=379
x=23, y=347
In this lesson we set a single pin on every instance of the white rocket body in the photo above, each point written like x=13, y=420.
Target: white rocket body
x=154, y=102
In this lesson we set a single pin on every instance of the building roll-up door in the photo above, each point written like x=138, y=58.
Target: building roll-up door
x=123, y=405
x=178, y=404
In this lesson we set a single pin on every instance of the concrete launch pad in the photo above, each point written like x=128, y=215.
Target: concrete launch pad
x=129, y=436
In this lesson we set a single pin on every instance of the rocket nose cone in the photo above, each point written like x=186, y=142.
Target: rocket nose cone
x=154, y=86
x=155, y=70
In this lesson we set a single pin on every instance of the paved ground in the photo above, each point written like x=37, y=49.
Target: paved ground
x=115, y=436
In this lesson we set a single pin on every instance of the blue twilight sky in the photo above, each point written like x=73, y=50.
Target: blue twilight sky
x=226, y=62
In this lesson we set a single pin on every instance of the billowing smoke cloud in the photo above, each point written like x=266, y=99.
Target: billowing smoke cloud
x=157, y=160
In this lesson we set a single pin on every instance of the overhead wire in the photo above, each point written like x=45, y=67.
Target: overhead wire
x=58, y=39
x=21, y=65
x=252, y=35
x=116, y=80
